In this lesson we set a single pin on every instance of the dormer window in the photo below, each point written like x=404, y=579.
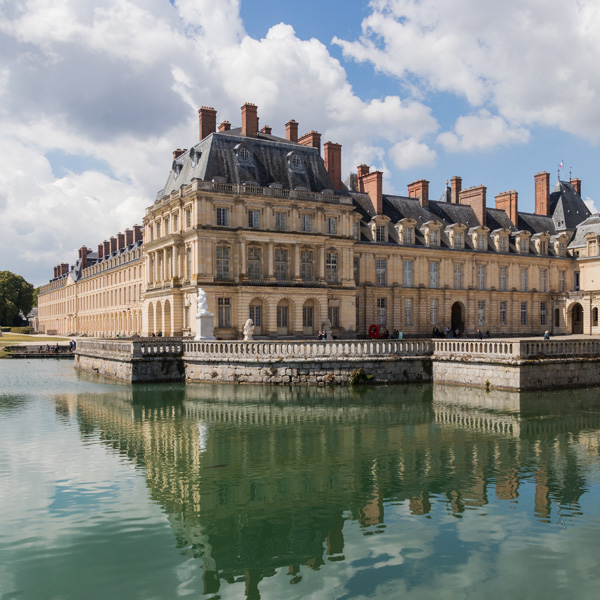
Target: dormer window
x=459, y=240
x=244, y=156
x=434, y=238
x=562, y=248
x=523, y=245
x=381, y=233
x=481, y=241
x=244, y=153
x=408, y=236
x=502, y=243
x=295, y=161
x=355, y=230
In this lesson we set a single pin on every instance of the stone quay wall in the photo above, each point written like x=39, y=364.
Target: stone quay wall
x=309, y=363
x=143, y=360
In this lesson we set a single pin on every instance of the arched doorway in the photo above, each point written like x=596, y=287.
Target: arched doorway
x=167, y=319
x=576, y=318
x=458, y=318
x=256, y=314
x=308, y=318
x=158, y=319
x=151, y=328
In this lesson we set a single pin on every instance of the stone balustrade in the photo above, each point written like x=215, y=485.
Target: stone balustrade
x=305, y=350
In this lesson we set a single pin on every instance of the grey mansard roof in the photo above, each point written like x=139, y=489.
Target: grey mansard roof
x=220, y=156
x=567, y=207
x=590, y=225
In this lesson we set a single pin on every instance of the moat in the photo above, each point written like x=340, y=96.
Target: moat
x=225, y=491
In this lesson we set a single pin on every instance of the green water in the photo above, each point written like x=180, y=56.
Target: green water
x=113, y=491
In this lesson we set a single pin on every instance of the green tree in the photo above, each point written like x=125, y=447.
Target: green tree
x=16, y=295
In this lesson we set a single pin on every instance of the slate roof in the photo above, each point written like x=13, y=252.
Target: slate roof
x=590, y=225
x=219, y=156
x=567, y=207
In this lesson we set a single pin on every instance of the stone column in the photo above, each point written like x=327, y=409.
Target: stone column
x=297, y=262
x=243, y=261
x=270, y=261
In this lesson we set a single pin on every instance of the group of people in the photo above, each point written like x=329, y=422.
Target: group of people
x=449, y=334
x=56, y=349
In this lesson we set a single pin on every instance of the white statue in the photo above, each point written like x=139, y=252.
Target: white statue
x=249, y=330
x=202, y=304
x=327, y=330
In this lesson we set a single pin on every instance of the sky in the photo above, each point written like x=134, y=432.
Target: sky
x=96, y=94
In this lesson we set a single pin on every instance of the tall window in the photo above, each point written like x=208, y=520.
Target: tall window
x=167, y=230
x=281, y=264
x=253, y=218
x=523, y=245
x=282, y=316
x=280, y=221
x=503, y=243
x=562, y=248
x=305, y=223
x=223, y=261
x=175, y=222
x=503, y=279
x=255, y=313
x=222, y=217
x=458, y=276
x=381, y=311
x=157, y=229
x=307, y=316
x=188, y=266
x=524, y=279
x=481, y=241
x=188, y=218
x=408, y=312
x=333, y=313
x=356, y=270
x=543, y=247
x=380, y=232
x=434, y=237
x=306, y=265
x=408, y=235
x=407, y=280
x=331, y=267
x=434, y=306
x=355, y=230
x=543, y=317
x=562, y=281
x=434, y=268
x=224, y=312
x=254, y=263
x=481, y=277
x=576, y=280
x=503, y=312
x=381, y=271
x=332, y=225
x=543, y=280
x=481, y=313
x=523, y=313
x=459, y=239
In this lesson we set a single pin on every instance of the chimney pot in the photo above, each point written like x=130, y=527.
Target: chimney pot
x=225, y=126
x=208, y=121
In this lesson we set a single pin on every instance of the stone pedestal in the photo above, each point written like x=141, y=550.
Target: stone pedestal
x=205, y=326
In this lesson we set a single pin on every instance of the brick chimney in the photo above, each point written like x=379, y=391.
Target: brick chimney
x=83, y=254
x=333, y=163
x=419, y=189
x=225, y=126
x=55, y=272
x=249, y=120
x=113, y=244
x=312, y=139
x=208, y=121
x=475, y=197
x=120, y=241
x=542, y=193
x=128, y=237
x=362, y=171
x=177, y=153
x=456, y=187
x=266, y=129
x=291, y=131
x=100, y=251
x=137, y=233
x=372, y=184
x=64, y=268
x=106, y=248
x=509, y=203
x=576, y=183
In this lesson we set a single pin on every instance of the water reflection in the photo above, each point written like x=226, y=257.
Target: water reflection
x=255, y=480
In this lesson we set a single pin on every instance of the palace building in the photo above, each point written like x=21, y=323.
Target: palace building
x=268, y=229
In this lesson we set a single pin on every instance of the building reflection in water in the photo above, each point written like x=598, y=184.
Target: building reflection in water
x=254, y=479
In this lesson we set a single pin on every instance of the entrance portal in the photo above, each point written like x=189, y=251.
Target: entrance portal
x=577, y=319
x=458, y=318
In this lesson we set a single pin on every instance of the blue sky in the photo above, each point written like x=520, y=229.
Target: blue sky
x=96, y=94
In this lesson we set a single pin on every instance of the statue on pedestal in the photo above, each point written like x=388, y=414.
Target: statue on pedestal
x=205, y=320
x=327, y=330
x=202, y=304
x=249, y=330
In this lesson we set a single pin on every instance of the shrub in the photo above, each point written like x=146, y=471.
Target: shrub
x=25, y=330
x=5, y=328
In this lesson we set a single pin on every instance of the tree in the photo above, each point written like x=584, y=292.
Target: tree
x=16, y=295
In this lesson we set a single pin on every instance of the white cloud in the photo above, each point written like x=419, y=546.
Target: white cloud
x=482, y=131
x=411, y=153
x=591, y=205
x=534, y=61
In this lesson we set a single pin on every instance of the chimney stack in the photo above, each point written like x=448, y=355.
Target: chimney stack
x=576, y=183
x=100, y=251
x=456, y=187
x=509, y=203
x=106, y=247
x=128, y=237
x=333, y=163
x=475, y=197
x=137, y=233
x=225, y=126
x=291, y=131
x=419, y=189
x=312, y=139
x=249, y=120
x=83, y=254
x=362, y=171
x=542, y=193
x=55, y=272
x=64, y=268
x=208, y=121
x=113, y=244
x=266, y=129
x=371, y=184
x=120, y=241
x=177, y=153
